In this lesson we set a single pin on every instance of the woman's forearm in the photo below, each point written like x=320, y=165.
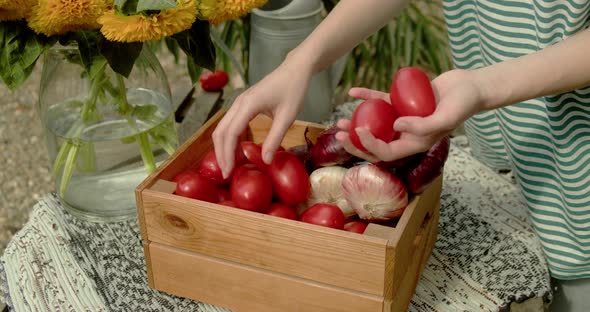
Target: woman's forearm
x=349, y=23
x=562, y=67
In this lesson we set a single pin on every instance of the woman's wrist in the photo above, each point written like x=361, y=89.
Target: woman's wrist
x=492, y=90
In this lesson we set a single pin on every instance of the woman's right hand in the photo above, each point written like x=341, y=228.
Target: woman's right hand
x=279, y=95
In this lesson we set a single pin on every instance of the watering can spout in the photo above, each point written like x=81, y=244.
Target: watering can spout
x=277, y=28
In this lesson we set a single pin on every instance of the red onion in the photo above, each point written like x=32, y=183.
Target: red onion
x=374, y=193
x=420, y=175
x=302, y=152
x=327, y=151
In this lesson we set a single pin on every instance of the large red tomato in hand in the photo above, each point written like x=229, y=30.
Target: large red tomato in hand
x=281, y=210
x=196, y=186
x=377, y=116
x=251, y=189
x=325, y=215
x=411, y=93
x=289, y=178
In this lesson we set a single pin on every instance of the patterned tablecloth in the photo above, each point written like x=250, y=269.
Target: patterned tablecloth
x=486, y=255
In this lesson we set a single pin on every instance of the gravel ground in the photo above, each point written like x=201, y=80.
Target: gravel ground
x=24, y=174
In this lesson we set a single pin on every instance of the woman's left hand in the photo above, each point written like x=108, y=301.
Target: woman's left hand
x=458, y=98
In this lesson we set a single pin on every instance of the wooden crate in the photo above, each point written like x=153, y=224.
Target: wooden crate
x=248, y=261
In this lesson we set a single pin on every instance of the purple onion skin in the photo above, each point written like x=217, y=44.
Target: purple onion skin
x=302, y=152
x=327, y=151
x=419, y=176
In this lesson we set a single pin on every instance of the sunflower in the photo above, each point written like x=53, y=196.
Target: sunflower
x=56, y=17
x=13, y=10
x=132, y=28
x=232, y=9
x=206, y=8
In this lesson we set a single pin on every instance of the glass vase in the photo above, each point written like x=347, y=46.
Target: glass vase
x=105, y=132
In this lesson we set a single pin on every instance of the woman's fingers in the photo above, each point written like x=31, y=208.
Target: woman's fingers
x=365, y=94
x=406, y=145
x=344, y=138
x=424, y=126
x=343, y=124
x=225, y=136
x=280, y=124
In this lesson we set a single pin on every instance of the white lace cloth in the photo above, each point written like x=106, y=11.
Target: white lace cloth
x=486, y=255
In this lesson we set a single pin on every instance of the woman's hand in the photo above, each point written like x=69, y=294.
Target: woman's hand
x=279, y=95
x=458, y=97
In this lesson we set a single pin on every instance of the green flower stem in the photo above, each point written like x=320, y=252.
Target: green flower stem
x=61, y=157
x=143, y=139
x=146, y=152
x=68, y=169
x=88, y=156
x=124, y=107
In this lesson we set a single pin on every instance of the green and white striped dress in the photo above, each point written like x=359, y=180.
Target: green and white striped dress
x=546, y=140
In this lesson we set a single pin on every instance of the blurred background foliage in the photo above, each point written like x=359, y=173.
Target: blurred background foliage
x=417, y=37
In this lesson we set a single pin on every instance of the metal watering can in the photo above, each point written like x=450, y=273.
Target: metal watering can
x=277, y=28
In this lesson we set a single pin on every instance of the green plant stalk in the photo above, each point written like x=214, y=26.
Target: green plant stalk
x=68, y=169
x=60, y=159
x=74, y=132
x=146, y=152
x=144, y=143
x=87, y=154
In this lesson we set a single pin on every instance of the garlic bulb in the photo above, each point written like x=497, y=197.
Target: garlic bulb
x=326, y=187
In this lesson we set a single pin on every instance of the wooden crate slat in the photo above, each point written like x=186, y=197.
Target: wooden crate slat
x=260, y=126
x=331, y=256
x=243, y=288
x=407, y=229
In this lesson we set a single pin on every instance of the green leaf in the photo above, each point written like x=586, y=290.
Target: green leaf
x=87, y=41
x=145, y=112
x=172, y=46
x=121, y=55
x=96, y=67
x=128, y=140
x=148, y=5
x=196, y=44
x=119, y=3
x=194, y=71
x=127, y=7
x=20, y=49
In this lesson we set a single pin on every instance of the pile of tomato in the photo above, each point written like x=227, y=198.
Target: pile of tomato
x=277, y=189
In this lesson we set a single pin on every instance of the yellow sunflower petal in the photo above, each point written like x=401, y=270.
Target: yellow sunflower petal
x=54, y=17
x=232, y=9
x=206, y=8
x=143, y=28
x=12, y=10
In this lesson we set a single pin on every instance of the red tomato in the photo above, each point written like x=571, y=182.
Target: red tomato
x=376, y=115
x=356, y=226
x=198, y=187
x=251, y=189
x=209, y=168
x=223, y=194
x=411, y=93
x=182, y=174
x=325, y=215
x=214, y=81
x=228, y=203
x=253, y=152
x=289, y=178
x=282, y=210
